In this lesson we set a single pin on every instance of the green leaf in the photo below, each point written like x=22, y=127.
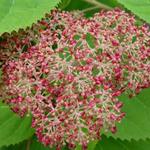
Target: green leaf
x=90, y=40
x=20, y=146
x=104, y=144
x=136, y=124
x=35, y=145
x=64, y=4
x=30, y=144
x=13, y=129
x=92, y=145
x=16, y=14
x=79, y=147
x=112, y=144
x=139, y=7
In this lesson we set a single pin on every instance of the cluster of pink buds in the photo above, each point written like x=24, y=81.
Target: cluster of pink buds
x=68, y=71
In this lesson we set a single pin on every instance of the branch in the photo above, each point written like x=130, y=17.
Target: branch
x=89, y=9
x=98, y=4
x=28, y=144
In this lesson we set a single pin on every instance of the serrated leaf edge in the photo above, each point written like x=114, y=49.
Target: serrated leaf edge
x=36, y=20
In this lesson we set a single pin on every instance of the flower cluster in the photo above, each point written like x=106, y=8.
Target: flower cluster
x=67, y=71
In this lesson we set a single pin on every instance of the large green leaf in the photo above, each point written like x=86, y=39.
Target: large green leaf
x=104, y=144
x=30, y=144
x=139, y=7
x=116, y=144
x=112, y=144
x=15, y=14
x=136, y=124
x=13, y=129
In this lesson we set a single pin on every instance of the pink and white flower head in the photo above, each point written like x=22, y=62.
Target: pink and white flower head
x=70, y=70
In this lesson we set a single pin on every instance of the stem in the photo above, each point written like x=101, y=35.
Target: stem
x=28, y=144
x=98, y=4
x=89, y=9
